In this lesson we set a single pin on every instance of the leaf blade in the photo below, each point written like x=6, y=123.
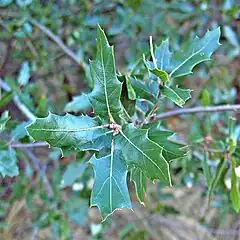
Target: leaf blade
x=178, y=95
x=105, y=97
x=110, y=190
x=198, y=51
x=55, y=130
x=141, y=152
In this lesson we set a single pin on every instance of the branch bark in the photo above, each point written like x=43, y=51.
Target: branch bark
x=29, y=145
x=17, y=101
x=57, y=40
x=221, y=108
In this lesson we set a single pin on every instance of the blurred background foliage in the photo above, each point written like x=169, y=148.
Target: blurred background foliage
x=50, y=197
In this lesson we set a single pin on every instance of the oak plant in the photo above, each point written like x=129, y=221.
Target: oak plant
x=123, y=136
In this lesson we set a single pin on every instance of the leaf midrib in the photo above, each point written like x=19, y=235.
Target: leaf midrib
x=104, y=79
x=64, y=130
x=180, y=65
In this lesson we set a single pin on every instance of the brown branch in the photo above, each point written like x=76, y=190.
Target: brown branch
x=17, y=101
x=42, y=170
x=29, y=145
x=221, y=108
x=57, y=40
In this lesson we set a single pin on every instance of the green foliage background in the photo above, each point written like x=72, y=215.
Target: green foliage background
x=51, y=194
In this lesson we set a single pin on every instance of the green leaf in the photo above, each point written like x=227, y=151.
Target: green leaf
x=130, y=90
x=206, y=169
x=110, y=190
x=23, y=3
x=235, y=194
x=19, y=131
x=163, y=55
x=67, y=131
x=217, y=177
x=193, y=53
x=205, y=98
x=143, y=90
x=171, y=149
x=78, y=104
x=141, y=152
x=160, y=73
x=73, y=172
x=24, y=74
x=4, y=3
x=8, y=163
x=105, y=97
x=231, y=36
x=139, y=179
x=3, y=120
x=77, y=208
x=5, y=98
x=158, y=65
x=178, y=95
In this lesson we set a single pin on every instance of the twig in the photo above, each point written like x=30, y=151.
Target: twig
x=29, y=145
x=41, y=170
x=176, y=112
x=57, y=40
x=17, y=101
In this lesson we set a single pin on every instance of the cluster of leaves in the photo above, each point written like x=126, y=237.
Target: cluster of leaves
x=151, y=82
x=143, y=149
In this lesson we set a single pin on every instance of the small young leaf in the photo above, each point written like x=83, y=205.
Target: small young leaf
x=19, y=131
x=217, y=177
x=3, y=120
x=78, y=104
x=235, y=194
x=5, y=98
x=130, y=90
x=143, y=90
x=231, y=36
x=206, y=169
x=8, y=163
x=160, y=74
x=24, y=74
x=105, y=97
x=141, y=152
x=73, y=172
x=178, y=95
x=139, y=179
x=205, y=98
x=161, y=62
x=110, y=190
x=67, y=131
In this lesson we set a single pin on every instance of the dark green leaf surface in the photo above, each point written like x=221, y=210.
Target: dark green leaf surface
x=67, y=131
x=143, y=153
x=110, y=190
x=142, y=90
x=105, y=97
x=171, y=150
x=8, y=163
